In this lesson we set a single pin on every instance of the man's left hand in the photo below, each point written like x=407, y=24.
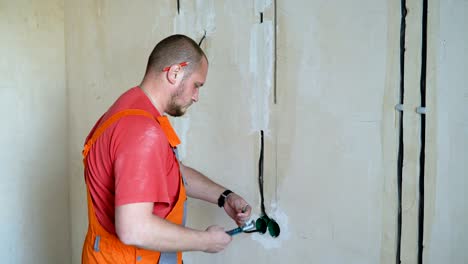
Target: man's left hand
x=237, y=208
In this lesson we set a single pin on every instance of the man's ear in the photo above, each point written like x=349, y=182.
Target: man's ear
x=174, y=74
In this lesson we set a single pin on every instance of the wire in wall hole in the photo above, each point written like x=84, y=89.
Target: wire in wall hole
x=201, y=40
x=260, y=173
x=264, y=223
x=275, y=77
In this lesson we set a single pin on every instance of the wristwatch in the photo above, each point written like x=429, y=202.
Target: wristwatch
x=222, y=197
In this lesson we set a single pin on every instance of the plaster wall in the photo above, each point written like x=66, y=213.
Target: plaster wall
x=446, y=228
x=107, y=45
x=324, y=142
x=326, y=105
x=34, y=220
x=336, y=129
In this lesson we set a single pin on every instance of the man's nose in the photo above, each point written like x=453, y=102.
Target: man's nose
x=195, y=96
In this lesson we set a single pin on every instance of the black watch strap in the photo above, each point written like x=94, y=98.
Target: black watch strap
x=222, y=198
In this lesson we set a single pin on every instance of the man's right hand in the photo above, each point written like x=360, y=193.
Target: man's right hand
x=218, y=240
x=154, y=233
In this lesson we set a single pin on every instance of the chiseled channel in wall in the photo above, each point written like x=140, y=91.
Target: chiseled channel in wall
x=264, y=223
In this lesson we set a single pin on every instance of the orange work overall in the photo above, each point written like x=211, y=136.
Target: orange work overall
x=102, y=247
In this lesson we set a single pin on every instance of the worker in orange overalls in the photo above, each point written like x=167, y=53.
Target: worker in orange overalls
x=136, y=186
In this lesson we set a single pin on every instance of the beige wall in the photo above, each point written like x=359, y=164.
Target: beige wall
x=331, y=141
x=107, y=46
x=325, y=145
x=34, y=220
x=446, y=225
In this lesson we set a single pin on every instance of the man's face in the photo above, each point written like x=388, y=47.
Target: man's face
x=188, y=90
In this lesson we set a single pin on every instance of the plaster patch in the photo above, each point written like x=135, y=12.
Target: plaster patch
x=261, y=5
x=206, y=20
x=184, y=23
x=194, y=24
x=261, y=75
x=266, y=240
x=238, y=46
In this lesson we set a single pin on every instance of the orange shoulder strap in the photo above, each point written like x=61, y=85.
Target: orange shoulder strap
x=168, y=130
x=109, y=122
x=162, y=120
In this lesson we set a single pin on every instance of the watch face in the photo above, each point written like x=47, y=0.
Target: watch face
x=222, y=197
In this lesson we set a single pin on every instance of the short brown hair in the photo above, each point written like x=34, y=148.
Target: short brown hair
x=176, y=49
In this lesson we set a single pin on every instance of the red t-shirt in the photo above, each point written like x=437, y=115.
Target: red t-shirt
x=131, y=162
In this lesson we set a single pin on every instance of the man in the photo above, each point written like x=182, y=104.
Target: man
x=136, y=186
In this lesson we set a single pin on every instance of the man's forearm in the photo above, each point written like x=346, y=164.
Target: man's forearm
x=199, y=186
x=151, y=232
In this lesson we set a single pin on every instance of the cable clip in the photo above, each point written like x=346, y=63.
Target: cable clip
x=399, y=107
x=421, y=110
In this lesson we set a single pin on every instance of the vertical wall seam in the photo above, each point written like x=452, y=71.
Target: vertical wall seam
x=275, y=76
x=423, y=133
x=400, y=144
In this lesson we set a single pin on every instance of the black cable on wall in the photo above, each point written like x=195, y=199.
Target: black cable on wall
x=422, y=154
x=400, y=144
x=260, y=174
